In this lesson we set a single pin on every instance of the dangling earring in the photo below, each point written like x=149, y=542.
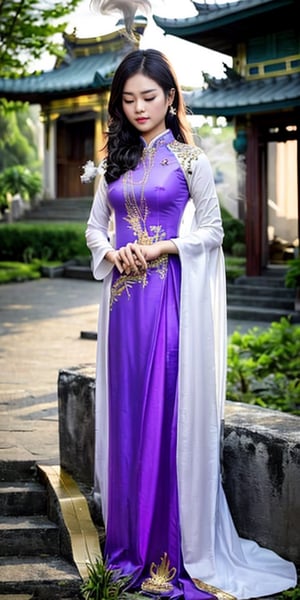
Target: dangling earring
x=172, y=110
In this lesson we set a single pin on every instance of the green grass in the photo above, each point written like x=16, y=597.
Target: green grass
x=13, y=271
x=17, y=271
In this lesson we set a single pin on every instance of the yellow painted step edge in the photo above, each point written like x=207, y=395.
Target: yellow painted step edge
x=75, y=511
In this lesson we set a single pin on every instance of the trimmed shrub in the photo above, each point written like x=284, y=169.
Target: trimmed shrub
x=60, y=242
x=234, y=232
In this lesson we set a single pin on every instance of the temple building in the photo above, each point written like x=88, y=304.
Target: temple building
x=260, y=96
x=73, y=99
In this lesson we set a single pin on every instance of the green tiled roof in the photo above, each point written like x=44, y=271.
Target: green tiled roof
x=85, y=74
x=220, y=26
x=225, y=97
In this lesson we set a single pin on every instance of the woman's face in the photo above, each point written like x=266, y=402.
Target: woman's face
x=145, y=105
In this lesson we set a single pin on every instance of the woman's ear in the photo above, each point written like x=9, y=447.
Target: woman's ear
x=171, y=96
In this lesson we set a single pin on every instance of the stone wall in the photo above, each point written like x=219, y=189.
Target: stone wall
x=262, y=476
x=76, y=397
x=261, y=461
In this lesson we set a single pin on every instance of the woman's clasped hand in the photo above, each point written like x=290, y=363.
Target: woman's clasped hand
x=129, y=259
x=134, y=257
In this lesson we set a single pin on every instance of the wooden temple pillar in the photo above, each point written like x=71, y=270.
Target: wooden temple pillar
x=49, y=163
x=254, y=209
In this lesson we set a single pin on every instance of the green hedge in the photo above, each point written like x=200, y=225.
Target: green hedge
x=63, y=241
x=60, y=242
x=234, y=233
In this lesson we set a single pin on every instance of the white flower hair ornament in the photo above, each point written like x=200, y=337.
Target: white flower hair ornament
x=90, y=171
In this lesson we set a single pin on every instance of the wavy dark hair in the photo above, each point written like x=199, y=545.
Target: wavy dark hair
x=124, y=146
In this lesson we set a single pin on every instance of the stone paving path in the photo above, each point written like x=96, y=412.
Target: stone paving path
x=40, y=327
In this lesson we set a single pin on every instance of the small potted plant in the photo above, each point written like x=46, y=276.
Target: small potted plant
x=104, y=583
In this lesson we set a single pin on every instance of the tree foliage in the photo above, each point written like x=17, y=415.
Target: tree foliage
x=17, y=135
x=28, y=28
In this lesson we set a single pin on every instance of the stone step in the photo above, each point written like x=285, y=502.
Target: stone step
x=286, y=304
x=46, y=578
x=16, y=597
x=79, y=272
x=22, y=498
x=28, y=536
x=256, y=313
x=32, y=563
x=260, y=290
x=18, y=470
x=60, y=209
x=273, y=280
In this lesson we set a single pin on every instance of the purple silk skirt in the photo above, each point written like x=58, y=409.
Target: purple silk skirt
x=143, y=514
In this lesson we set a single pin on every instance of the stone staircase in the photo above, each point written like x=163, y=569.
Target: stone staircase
x=263, y=298
x=31, y=564
x=60, y=210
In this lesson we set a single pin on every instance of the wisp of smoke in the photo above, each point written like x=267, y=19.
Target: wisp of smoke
x=127, y=7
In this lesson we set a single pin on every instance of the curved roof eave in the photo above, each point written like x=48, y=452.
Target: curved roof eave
x=230, y=111
x=221, y=26
x=229, y=98
x=84, y=74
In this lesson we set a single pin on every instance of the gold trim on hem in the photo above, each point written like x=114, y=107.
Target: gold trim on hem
x=211, y=589
x=76, y=515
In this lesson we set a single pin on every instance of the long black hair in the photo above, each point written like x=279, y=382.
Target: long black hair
x=124, y=146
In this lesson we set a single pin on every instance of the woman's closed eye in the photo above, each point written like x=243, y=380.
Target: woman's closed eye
x=145, y=100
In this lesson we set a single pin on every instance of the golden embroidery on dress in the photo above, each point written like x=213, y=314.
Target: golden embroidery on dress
x=161, y=576
x=185, y=154
x=137, y=215
x=124, y=283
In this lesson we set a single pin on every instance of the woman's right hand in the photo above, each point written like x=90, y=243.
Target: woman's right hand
x=113, y=257
x=128, y=259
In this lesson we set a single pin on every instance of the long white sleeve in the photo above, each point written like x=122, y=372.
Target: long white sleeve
x=207, y=231
x=97, y=234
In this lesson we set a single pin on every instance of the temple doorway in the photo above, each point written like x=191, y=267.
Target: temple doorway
x=74, y=146
x=282, y=200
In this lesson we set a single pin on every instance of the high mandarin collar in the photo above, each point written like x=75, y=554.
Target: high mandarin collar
x=166, y=137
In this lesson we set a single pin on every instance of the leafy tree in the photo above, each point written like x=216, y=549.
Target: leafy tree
x=17, y=136
x=28, y=29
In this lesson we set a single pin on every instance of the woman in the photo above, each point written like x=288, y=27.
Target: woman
x=161, y=360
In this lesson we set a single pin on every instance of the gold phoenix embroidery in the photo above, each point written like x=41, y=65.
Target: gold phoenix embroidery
x=161, y=577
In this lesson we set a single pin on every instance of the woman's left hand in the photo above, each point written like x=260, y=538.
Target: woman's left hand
x=153, y=251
